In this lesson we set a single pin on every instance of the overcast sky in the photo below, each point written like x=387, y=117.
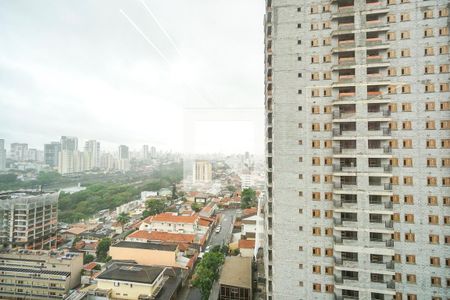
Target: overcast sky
x=180, y=75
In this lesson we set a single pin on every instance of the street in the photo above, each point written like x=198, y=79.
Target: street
x=227, y=227
x=216, y=239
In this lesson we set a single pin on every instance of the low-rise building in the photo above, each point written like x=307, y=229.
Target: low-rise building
x=171, y=222
x=39, y=275
x=143, y=236
x=209, y=210
x=130, y=281
x=146, y=253
x=235, y=281
x=246, y=248
x=248, y=227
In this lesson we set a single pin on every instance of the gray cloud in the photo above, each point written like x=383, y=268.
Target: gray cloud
x=80, y=68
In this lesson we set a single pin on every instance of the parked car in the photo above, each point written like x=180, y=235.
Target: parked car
x=218, y=228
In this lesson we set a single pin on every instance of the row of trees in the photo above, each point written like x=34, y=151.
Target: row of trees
x=208, y=270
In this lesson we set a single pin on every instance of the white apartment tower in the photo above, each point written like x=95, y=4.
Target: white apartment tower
x=92, y=154
x=202, y=171
x=358, y=149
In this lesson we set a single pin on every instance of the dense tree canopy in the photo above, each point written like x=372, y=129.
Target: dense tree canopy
x=207, y=271
x=102, y=249
x=248, y=198
x=96, y=197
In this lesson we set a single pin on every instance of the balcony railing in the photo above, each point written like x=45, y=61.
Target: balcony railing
x=390, y=243
x=346, y=26
x=390, y=265
x=346, y=78
x=390, y=284
x=346, y=61
x=337, y=221
x=389, y=224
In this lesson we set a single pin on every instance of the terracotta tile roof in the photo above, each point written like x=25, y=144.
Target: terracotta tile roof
x=205, y=221
x=246, y=244
x=90, y=266
x=250, y=211
x=170, y=217
x=163, y=236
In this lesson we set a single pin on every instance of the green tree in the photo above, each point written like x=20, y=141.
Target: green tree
x=155, y=207
x=102, y=249
x=248, y=198
x=196, y=207
x=88, y=258
x=123, y=219
x=207, y=271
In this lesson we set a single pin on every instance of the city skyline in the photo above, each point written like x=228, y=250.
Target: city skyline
x=101, y=79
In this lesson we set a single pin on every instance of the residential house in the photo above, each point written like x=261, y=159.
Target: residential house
x=171, y=222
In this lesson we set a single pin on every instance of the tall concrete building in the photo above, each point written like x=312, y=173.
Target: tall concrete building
x=357, y=145
x=92, y=154
x=51, y=152
x=123, y=163
x=32, y=154
x=202, y=171
x=145, y=152
x=70, y=160
x=2, y=155
x=69, y=143
x=28, y=219
x=19, y=151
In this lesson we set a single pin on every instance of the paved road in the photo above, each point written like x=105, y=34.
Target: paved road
x=216, y=239
x=227, y=227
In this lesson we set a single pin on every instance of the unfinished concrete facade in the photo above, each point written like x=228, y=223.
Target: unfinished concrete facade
x=357, y=146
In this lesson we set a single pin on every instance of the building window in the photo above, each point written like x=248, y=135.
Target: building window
x=435, y=261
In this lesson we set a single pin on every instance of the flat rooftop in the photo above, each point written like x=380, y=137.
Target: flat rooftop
x=24, y=194
x=237, y=271
x=148, y=246
x=131, y=273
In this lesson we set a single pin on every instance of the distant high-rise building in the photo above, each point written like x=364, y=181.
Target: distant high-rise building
x=124, y=158
x=32, y=154
x=70, y=160
x=92, y=154
x=202, y=171
x=28, y=219
x=69, y=143
x=357, y=99
x=51, y=152
x=19, y=151
x=153, y=152
x=2, y=155
x=124, y=152
x=145, y=153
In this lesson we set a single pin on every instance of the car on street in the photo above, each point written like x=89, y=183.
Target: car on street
x=218, y=228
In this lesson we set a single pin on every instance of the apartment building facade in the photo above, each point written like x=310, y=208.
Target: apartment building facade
x=357, y=147
x=28, y=219
x=26, y=274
